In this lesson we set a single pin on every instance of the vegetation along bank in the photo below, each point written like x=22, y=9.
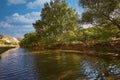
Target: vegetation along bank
x=64, y=29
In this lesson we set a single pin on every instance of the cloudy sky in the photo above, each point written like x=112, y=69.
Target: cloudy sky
x=17, y=16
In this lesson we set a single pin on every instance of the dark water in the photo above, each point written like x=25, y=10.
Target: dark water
x=20, y=64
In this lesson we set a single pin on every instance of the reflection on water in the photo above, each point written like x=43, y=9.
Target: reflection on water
x=19, y=64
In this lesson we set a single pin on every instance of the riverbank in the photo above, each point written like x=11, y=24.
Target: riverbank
x=103, y=49
x=91, y=53
x=111, y=46
x=5, y=48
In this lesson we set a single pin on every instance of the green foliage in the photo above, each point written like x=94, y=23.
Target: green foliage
x=59, y=24
x=87, y=17
x=57, y=21
x=29, y=40
x=101, y=12
x=98, y=34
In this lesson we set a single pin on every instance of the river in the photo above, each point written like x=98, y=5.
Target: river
x=21, y=64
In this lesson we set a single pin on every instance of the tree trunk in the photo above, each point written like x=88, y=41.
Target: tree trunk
x=113, y=21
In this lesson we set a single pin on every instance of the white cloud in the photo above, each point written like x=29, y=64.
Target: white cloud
x=36, y=3
x=17, y=25
x=5, y=24
x=25, y=19
x=9, y=2
x=16, y=19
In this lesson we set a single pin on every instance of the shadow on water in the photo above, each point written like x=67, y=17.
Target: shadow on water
x=20, y=64
x=75, y=67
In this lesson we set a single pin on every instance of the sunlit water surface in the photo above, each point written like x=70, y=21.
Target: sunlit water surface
x=20, y=64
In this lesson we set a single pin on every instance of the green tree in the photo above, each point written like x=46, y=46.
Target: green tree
x=101, y=12
x=30, y=39
x=57, y=20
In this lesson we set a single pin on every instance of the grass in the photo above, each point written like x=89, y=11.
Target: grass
x=4, y=42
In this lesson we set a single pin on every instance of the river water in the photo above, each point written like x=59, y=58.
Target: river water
x=20, y=64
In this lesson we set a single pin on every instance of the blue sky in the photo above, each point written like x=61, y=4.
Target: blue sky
x=17, y=16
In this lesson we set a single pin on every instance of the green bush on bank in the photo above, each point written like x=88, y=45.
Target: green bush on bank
x=29, y=40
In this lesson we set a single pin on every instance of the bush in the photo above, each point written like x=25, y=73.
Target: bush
x=29, y=40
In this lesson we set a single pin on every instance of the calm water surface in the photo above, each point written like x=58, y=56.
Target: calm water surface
x=20, y=64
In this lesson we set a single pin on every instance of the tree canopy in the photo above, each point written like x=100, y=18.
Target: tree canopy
x=58, y=23
x=56, y=19
x=101, y=12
